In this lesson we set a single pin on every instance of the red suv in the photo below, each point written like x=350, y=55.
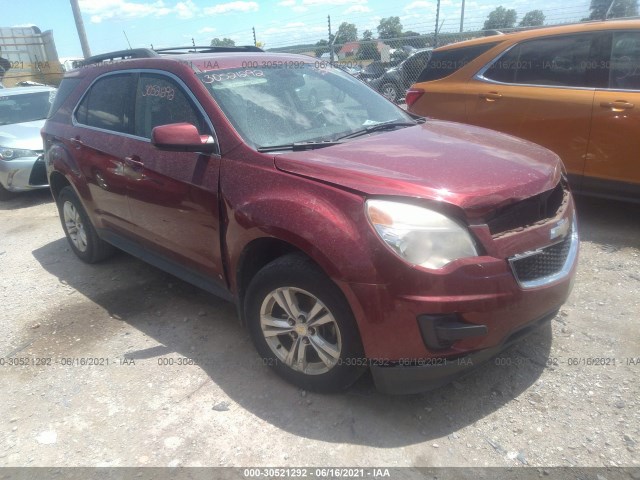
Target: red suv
x=349, y=233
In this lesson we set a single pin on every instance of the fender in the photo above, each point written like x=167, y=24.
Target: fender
x=328, y=224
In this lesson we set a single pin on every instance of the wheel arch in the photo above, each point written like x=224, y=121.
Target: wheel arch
x=57, y=181
x=260, y=252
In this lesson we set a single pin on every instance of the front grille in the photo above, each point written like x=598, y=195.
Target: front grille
x=38, y=173
x=529, y=211
x=544, y=265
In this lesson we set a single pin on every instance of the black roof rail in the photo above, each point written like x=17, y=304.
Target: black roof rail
x=150, y=53
x=206, y=49
x=119, y=55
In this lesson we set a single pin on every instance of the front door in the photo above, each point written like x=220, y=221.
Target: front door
x=173, y=196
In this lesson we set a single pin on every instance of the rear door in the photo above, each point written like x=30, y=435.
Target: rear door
x=543, y=90
x=101, y=141
x=613, y=161
x=173, y=196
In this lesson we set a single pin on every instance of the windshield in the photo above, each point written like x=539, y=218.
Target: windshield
x=278, y=106
x=25, y=107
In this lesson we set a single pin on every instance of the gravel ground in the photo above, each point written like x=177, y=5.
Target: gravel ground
x=177, y=381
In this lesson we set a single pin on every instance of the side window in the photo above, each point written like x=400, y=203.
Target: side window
x=565, y=61
x=443, y=63
x=161, y=101
x=417, y=62
x=108, y=104
x=625, y=61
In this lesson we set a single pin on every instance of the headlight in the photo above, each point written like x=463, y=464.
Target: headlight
x=418, y=235
x=7, y=153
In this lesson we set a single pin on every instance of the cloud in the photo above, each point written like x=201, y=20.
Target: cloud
x=292, y=5
x=357, y=9
x=186, y=10
x=230, y=7
x=333, y=2
x=207, y=30
x=100, y=10
x=419, y=5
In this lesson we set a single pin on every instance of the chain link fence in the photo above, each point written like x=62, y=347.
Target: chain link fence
x=389, y=65
x=392, y=65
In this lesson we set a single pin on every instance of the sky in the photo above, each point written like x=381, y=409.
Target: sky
x=278, y=23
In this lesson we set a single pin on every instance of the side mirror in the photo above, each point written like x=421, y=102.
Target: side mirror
x=181, y=137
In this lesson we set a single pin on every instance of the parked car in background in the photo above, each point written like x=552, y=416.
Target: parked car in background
x=22, y=114
x=394, y=83
x=349, y=234
x=574, y=89
x=374, y=70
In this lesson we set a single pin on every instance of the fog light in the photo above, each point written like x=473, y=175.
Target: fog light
x=441, y=331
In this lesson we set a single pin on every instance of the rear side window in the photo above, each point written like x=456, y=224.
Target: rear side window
x=563, y=61
x=108, y=104
x=161, y=101
x=67, y=86
x=446, y=62
x=625, y=61
x=416, y=63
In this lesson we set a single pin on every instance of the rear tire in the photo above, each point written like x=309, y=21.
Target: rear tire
x=391, y=92
x=302, y=326
x=81, y=234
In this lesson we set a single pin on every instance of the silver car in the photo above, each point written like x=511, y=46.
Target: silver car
x=22, y=114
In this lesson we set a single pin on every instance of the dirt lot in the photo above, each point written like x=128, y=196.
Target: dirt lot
x=145, y=403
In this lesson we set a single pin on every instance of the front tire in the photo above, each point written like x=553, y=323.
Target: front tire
x=303, y=327
x=81, y=234
x=5, y=194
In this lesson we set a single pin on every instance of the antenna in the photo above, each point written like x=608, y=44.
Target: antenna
x=125, y=36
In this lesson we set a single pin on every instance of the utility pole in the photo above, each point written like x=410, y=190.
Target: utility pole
x=462, y=18
x=255, y=42
x=330, y=39
x=606, y=15
x=435, y=35
x=77, y=16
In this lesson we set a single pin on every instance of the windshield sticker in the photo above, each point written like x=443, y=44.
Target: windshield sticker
x=158, y=91
x=223, y=77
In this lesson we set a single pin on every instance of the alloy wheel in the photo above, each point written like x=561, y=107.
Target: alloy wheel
x=75, y=227
x=300, y=330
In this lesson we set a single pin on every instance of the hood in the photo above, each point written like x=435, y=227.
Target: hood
x=471, y=167
x=22, y=135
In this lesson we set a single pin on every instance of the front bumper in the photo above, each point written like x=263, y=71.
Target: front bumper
x=429, y=374
x=423, y=328
x=23, y=174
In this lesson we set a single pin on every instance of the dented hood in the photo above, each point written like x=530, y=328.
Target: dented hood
x=471, y=167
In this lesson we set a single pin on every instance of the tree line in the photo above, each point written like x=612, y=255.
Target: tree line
x=391, y=28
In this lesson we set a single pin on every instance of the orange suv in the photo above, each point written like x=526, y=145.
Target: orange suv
x=574, y=89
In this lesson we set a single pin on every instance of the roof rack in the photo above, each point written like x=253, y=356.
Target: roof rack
x=206, y=49
x=119, y=55
x=150, y=53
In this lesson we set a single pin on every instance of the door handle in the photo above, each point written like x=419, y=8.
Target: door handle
x=618, y=105
x=76, y=142
x=490, y=96
x=133, y=161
